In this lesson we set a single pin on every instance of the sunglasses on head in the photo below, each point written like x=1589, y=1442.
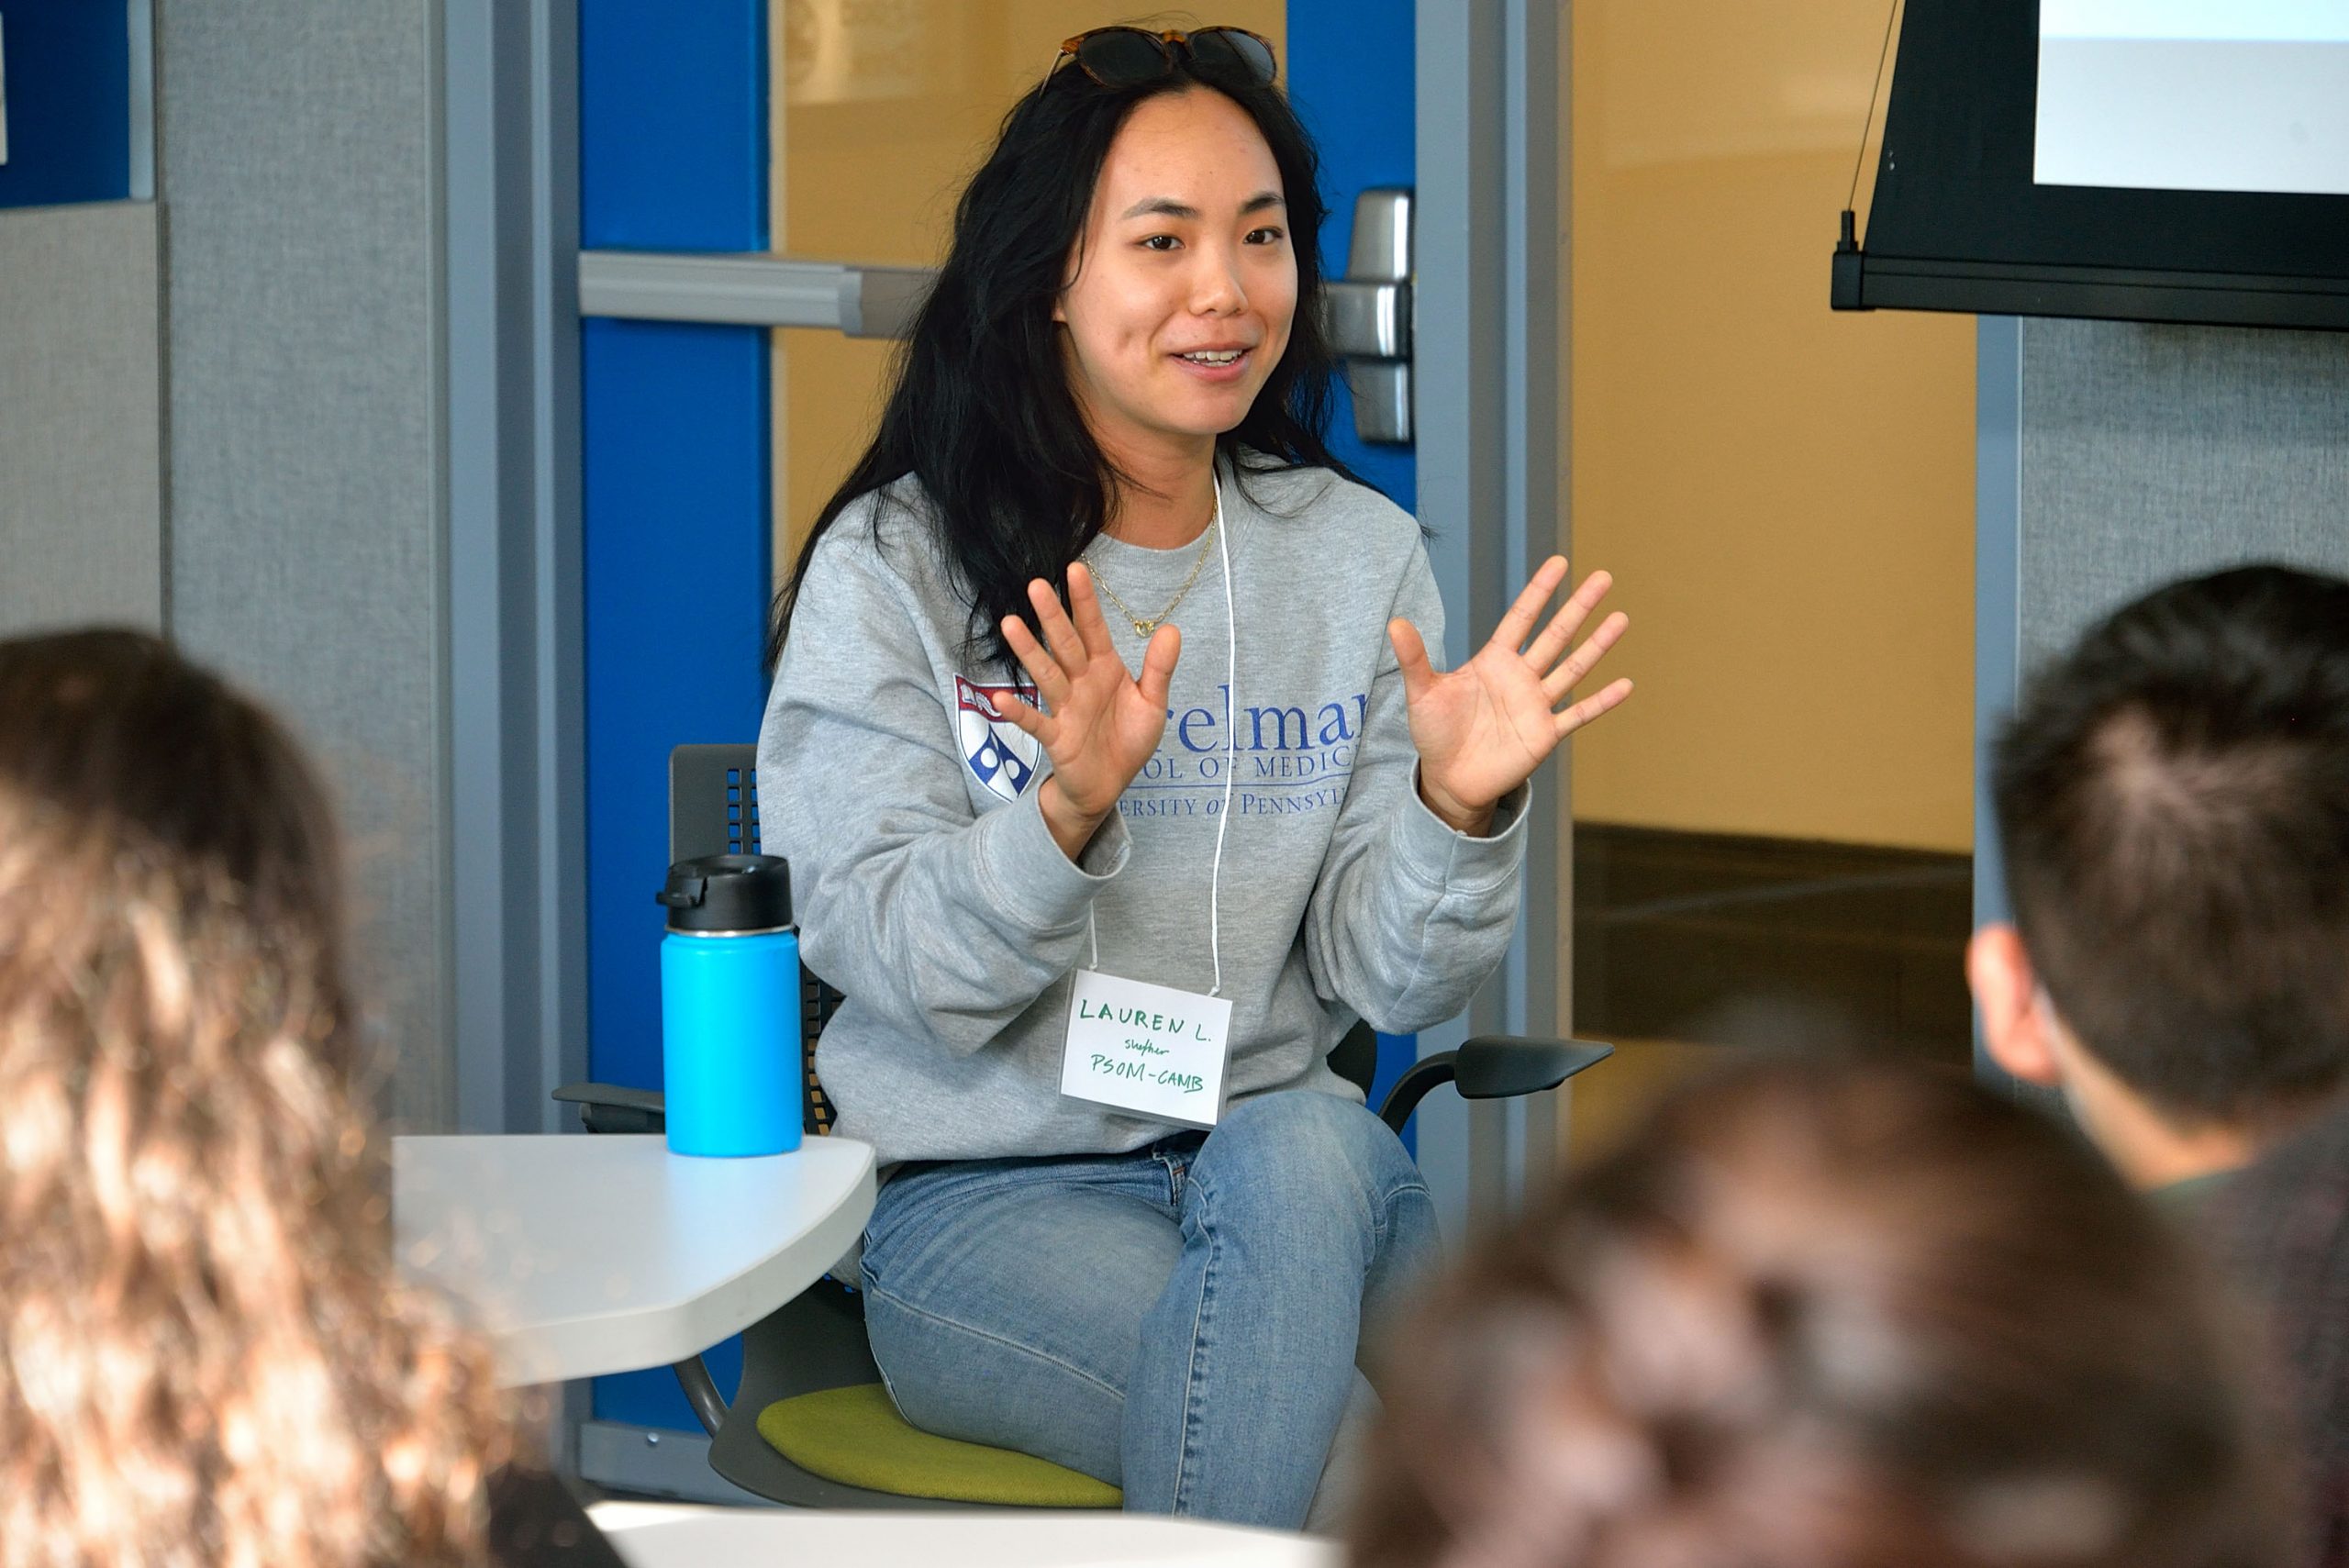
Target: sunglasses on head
x=1132, y=57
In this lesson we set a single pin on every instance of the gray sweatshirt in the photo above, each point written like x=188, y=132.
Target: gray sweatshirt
x=928, y=889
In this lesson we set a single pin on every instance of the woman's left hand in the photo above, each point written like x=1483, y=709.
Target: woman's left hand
x=1483, y=729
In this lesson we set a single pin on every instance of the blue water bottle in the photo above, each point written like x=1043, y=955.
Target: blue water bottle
x=729, y=1007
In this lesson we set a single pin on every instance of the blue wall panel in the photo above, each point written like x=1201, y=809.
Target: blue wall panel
x=677, y=574
x=672, y=157
x=1351, y=77
x=673, y=125
x=67, y=101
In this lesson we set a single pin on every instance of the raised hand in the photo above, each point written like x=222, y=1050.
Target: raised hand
x=1483, y=729
x=1099, y=724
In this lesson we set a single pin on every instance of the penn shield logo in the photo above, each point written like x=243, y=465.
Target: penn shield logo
x=999, y=754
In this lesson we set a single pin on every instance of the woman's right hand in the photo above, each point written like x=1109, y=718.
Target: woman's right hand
x=1099, y=724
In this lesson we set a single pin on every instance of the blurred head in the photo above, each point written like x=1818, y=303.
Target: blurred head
x=1115, y=244
x=1823, y=1316
x=209, y=1357
x=109, y=739
x=2173, y=804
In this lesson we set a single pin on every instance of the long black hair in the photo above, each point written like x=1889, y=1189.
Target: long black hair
x=981, y=411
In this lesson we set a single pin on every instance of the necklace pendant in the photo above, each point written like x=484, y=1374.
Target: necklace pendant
x=1144, y=627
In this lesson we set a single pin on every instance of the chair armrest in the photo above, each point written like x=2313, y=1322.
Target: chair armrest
x=1503, y=1066
x=611, y=1108
x=1492, y=1067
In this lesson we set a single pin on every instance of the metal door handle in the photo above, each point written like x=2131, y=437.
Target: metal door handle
x=750, y=290
x=1367, y=313
x=1370, y=316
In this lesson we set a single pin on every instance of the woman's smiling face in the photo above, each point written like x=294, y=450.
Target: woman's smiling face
x=1183, y=287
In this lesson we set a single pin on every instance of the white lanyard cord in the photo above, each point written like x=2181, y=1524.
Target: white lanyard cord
x=1231, y=738
x=1231, y=759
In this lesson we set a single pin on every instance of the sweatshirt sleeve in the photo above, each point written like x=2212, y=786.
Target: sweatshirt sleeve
x=944, y=922
x=1410, y=916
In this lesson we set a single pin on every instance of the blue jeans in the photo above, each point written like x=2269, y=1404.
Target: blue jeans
x=1181, y=1321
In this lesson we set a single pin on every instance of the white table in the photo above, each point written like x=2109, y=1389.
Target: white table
x=582, y=1255
x=672, y=1535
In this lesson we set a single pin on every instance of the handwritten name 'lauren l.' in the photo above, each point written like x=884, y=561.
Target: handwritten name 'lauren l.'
x=1137, y=1017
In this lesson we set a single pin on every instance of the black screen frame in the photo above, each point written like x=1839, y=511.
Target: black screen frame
x=1959, y=224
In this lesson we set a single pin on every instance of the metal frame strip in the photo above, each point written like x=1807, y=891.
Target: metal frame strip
x=516, y=777
x=1998, y=599
x=653, y=1462
x=140, y=21
x=1489, y=472
x=517, y=783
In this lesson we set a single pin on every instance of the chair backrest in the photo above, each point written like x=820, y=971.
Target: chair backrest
x=713, y=801
x=714, y=810
x=1355, y=1057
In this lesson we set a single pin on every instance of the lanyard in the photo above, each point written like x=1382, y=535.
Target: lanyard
x=1231, y=757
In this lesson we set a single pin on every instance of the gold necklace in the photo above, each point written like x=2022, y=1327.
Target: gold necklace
x=1144, y=625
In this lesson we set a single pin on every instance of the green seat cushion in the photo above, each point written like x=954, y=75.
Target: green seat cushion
x=855, y=1436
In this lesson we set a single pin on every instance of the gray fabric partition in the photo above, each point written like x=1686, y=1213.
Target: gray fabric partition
x=2114, y=457
x=299, y=175
x=1490, y=194
x=2153, y=453
x=2111, y=457
x=81, y=436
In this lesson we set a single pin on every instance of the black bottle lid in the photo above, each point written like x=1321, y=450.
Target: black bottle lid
x=729, y=894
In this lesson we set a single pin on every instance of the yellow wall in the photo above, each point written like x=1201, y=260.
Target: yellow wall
x=1785, y=493
x=889, y=106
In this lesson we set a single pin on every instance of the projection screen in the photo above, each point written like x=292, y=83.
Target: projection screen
x=2194, y=94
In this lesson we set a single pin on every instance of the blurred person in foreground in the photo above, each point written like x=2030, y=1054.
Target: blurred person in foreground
x=1824, y=1316
x=206, y=1357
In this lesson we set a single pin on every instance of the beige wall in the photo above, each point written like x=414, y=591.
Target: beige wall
x=886, y=110
x=1785, y=494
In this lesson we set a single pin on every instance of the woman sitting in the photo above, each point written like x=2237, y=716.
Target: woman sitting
x=1244, y=805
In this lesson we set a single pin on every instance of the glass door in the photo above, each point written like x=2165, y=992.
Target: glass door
x=1775, y=850
x=1622, y=209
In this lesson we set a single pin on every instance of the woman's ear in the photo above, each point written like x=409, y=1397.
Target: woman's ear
x=2015, y=1026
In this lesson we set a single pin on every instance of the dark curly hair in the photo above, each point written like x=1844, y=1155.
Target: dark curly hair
x=1824, y=1316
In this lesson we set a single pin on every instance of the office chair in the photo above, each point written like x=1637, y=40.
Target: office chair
x=810, y=1424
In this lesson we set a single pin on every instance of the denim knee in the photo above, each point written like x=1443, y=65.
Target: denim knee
x=1298, y=1152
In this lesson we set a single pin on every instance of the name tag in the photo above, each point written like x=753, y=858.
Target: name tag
x=1149, y=1049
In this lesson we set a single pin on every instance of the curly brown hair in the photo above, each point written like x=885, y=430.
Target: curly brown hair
x=206, y=1354
x=1850, y=1316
